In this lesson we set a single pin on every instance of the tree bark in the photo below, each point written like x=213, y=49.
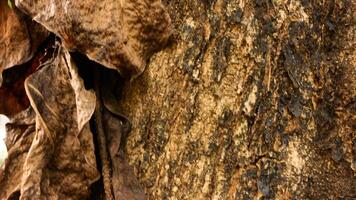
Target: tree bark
x=250, y=99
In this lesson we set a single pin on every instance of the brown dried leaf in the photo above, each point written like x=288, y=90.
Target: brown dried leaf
x=120, y=35
x=13, y=98
x=61, y=162
x=19, y=37
x=20, y=133
x=125, y=183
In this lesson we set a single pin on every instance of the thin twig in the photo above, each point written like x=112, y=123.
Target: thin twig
x=102, y=139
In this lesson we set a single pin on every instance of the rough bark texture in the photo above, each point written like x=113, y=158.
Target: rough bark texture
x=51, y=144
x=250, y=99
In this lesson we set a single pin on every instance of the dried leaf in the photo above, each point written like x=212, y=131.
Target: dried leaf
x=13, y=98
x=120, y=35
x=60, y=163
x=19, y=37
x=20, y=133
x=125, y=183
x=85, y=100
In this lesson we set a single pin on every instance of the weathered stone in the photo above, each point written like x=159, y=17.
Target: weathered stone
x=120, y=35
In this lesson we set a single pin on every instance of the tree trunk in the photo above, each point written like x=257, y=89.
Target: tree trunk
x=250, y=99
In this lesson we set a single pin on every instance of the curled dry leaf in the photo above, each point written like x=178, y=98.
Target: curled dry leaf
x=13, y=98
x=20, y=134
x=115, y=126
x=124, y=181
x=19, y=37
x=120, y=35
x=60, y=164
